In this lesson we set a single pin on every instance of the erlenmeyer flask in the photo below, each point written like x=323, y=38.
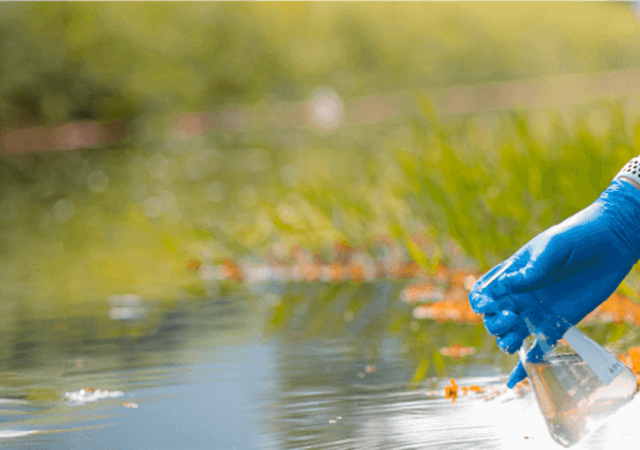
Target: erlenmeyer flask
x=574, y=400
x=577, y=387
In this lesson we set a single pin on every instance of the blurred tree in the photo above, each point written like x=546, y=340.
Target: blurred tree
x=75, y=61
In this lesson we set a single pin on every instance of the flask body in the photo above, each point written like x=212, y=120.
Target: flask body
x=572, y=398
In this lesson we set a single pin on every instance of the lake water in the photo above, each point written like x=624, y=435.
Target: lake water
x=213, y=374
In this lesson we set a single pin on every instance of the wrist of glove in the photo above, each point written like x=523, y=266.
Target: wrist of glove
x=621, y=201
x=566, y=271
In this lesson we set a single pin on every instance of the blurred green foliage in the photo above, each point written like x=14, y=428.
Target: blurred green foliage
x=73, y=60
x=82, y=225
x=129, y=218
x=540, y=168
x=490, y=181
x=120, y=220
x=126, y=219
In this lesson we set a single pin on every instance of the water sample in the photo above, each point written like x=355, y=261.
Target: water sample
x=573, y=399
x=577, y=386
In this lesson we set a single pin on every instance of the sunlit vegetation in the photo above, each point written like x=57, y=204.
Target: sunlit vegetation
x=75, y=61
x=365, y=228
x=402, y=196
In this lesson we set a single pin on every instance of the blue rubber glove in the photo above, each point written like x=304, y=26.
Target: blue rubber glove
x=566, y=271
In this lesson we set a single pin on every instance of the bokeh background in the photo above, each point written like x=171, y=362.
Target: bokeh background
x=157, y=153
x=136, y=138
x=261, y=221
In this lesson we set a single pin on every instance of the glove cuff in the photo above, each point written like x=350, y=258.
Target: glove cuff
x=630, y=170
x=622, y=199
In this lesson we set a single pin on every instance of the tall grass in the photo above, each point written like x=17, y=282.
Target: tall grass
x=466, y=190
x=484, y=183
x=493, y=184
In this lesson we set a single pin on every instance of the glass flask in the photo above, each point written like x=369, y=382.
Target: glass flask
x=578, y=384
x=573, y=398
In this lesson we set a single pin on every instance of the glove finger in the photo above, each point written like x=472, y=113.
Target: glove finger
x=517, y=375
x=482, y=304
x=547, y=325
x=513, y=340
x=477, y=286
x=536, y=353
x=501, y=323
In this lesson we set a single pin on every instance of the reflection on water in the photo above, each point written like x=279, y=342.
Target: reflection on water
x=205, y=374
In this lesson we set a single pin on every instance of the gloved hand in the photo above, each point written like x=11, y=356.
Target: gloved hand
x=567, y=271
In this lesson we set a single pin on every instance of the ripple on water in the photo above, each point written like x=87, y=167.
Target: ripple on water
x=397, y=418
x=8, y=434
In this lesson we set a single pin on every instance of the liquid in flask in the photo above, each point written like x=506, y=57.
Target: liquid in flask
x=573, y=399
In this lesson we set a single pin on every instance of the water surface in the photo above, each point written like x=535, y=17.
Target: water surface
x=216, y=373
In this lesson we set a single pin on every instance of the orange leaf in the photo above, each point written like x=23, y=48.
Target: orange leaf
x=451, y=391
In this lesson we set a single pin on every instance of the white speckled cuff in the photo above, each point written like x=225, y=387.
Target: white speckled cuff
x=631, y=170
